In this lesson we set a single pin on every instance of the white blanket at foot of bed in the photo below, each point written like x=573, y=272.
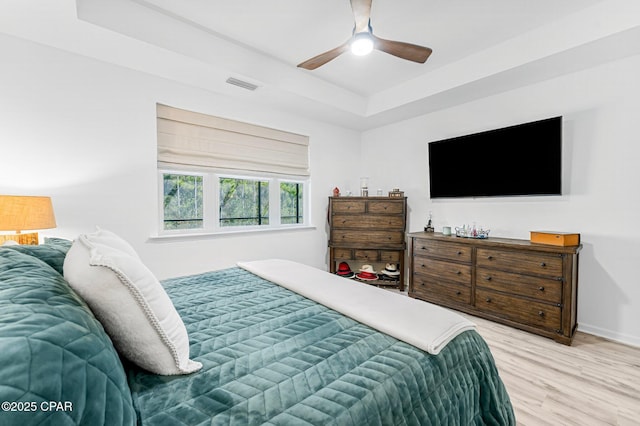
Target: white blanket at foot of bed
x=421, y=324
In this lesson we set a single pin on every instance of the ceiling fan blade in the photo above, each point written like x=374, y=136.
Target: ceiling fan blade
x=361, y=14
x=323, y=58
x=408, y=51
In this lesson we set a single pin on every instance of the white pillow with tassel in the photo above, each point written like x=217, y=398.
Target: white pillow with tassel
x=130, y=302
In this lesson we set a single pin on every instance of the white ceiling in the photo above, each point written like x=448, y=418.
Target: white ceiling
x=293, y=31
x=479, y=46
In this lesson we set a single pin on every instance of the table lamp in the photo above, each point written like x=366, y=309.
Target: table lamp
x=25, y=213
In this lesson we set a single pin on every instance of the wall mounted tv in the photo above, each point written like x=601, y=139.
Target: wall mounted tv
x=525, y=159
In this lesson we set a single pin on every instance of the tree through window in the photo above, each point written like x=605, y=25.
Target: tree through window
x=244, y=202
x=182, y=201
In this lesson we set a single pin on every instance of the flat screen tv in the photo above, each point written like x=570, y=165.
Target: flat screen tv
x=525, y=159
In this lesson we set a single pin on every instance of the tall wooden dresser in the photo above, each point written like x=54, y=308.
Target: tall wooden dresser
x=530, y=286
x=368, y=230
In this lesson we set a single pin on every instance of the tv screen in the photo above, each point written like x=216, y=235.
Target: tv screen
x=525, y=159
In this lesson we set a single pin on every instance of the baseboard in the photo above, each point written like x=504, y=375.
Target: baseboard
x=610, y=335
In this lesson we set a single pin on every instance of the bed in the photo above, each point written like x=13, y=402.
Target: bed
x=268, y=355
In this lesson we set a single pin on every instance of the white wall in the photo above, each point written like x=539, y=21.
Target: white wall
x=84, y=132
x=601, y=201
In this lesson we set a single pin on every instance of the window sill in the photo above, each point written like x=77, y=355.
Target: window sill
x=208, y=235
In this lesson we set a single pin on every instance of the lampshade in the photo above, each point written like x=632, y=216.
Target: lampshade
x=20, y=213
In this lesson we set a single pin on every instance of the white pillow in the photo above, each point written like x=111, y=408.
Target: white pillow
x=130, y=303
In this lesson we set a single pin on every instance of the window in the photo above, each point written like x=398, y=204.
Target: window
x=243, y=202
x=182, y=195
x=220, y=175
x=209, y=202
x=291, y=204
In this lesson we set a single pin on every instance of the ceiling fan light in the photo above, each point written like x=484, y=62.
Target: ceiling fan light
x=362, y=44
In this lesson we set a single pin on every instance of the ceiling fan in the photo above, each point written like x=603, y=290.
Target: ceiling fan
x=363, y=41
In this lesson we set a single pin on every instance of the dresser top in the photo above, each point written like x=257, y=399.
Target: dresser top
x=370, y=197
x=496, y=242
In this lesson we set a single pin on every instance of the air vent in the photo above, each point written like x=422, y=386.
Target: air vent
x=243, y=84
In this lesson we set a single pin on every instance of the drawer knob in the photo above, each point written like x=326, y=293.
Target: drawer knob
x=489, y=257
x=541, y=313
x=542, y=264
x=423, y=248
x=488, y=278
x=488, y=300
x=459, y=253
x=458, y=273
x=458, y=293
x=541, y=288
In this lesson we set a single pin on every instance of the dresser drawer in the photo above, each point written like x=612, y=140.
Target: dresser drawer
x=524, y=311
x=429, y=289
x=372, y=239
x=370, y=255
x=439, y=270
x=390, y=256
x=443, y=250
x=367, y=222
x=386, y=206
x=523, y=262
x=343, y=254
x=366, y=255
x=545, y=289
x=348, y=206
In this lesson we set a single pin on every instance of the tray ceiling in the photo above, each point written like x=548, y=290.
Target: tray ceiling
x=479, y=47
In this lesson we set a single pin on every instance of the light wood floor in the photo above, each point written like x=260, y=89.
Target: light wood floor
x=592, y=382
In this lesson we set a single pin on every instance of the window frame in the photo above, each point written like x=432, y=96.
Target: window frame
x=211, y=201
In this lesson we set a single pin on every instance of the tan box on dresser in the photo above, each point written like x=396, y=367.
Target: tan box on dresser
x=368, y=230
x=530, y=286
x=555, y=238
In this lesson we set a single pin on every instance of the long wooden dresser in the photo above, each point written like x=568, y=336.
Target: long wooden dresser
x=530, y=286
x=368, y=230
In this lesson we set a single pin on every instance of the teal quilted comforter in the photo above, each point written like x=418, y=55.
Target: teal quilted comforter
x=273, y=357
x=270, y=356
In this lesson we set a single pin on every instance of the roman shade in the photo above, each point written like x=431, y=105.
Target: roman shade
x=194, y=139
